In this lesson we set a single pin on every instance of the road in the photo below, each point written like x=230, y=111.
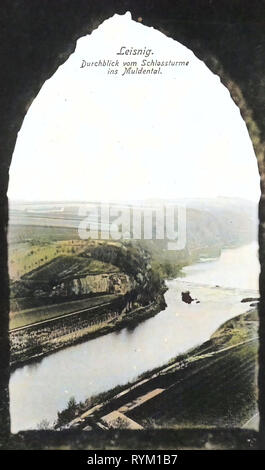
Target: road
x=252, y=423
x=61, y=317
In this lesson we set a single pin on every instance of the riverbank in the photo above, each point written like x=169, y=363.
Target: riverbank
x=38, y=341
x=212, y=385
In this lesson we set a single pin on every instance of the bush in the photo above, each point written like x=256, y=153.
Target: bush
x=66, y=415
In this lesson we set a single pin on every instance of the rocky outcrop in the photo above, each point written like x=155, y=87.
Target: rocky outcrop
x=138, y=295
x=125, y=269
x=117, y=283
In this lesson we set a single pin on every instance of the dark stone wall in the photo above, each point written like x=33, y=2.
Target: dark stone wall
x=38, y=35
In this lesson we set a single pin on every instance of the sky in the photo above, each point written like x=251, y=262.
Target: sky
x=90, y=135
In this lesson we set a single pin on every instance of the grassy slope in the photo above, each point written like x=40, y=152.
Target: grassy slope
x=64, y=267
x=214, y=391
x=210, y=391
x=27, y=256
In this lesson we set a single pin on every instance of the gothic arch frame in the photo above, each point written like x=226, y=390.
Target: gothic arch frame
x=229, y=40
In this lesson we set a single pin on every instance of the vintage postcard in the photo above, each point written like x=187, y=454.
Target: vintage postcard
x=133, y=247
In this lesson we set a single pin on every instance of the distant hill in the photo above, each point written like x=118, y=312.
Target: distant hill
x=212, y=224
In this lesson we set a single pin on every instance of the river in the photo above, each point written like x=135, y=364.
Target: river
x=39, y=390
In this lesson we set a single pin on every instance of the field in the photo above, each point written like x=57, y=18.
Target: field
x=33, y=246
x=25, y=257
